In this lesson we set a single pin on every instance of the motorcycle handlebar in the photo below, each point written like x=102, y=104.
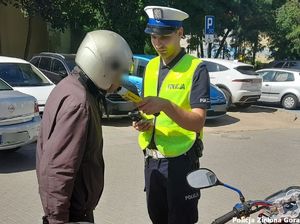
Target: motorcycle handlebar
x=227, y=217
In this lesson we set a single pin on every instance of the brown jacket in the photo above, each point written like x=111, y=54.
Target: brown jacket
x=70, y=166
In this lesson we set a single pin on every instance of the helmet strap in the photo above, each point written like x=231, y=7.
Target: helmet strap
x=99, y=94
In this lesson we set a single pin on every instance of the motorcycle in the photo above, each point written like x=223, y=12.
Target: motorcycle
x=280, y=207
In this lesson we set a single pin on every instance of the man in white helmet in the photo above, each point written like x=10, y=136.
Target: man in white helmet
x=70, y=166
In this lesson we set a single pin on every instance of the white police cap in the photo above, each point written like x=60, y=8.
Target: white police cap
x=164, y=20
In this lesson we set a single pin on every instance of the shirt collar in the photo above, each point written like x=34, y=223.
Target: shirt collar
x=174, y=61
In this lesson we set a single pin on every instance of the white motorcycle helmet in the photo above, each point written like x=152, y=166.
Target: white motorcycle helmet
x=104, y=56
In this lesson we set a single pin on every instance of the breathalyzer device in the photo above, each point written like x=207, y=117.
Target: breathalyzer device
x=130, y=96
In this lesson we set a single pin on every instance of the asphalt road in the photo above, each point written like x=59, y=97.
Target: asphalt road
x=276, y=106
x=259, y=162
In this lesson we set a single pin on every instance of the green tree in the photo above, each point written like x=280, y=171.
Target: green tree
x=125, y=17
x=254, y=20
x=286, y=35
x=225, y=12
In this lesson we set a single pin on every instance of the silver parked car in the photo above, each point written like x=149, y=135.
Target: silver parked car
x=19, y=118
x=281, y=86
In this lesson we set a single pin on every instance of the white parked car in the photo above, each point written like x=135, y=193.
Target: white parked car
x=26, y=78
x=239, y=82
x=19, y=118
x=281, y=85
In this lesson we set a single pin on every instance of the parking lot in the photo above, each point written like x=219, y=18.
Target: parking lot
x=256, y=150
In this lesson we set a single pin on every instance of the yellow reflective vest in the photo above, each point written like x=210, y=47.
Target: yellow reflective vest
x=170, y=139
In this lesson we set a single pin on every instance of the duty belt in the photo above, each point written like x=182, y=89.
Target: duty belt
x=154, y=153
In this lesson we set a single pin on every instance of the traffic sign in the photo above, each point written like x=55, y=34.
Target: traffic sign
x=209, y=38
x=209, y=24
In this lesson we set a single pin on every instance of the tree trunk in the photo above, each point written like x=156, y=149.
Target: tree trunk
x=28, y=39
x=255, y=46
x=201, y=47
x=222, y=43
x=198, y=46
x=235, y=52
x=209, y=50
x=0, y=44
x=223, y=57
x=77, y=35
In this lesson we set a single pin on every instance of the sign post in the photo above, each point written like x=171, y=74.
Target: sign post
x=209, y=32
x=209, y=28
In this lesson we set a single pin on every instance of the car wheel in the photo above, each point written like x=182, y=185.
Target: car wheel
x=227, y=96
x=289, y=102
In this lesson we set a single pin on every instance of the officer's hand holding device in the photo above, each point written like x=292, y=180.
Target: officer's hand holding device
x=152, y=105
x=135, y=116
x=130, y=96
x=140, y=123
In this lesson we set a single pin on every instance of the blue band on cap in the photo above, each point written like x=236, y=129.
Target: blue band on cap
x=164, y=23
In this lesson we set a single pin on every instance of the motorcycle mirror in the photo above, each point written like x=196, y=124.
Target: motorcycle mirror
x=205, y=178
x=202, y=178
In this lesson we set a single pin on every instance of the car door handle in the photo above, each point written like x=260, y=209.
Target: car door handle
x=267, y=85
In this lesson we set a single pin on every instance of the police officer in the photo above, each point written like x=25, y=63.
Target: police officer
x=176, y=86
x=70, y=166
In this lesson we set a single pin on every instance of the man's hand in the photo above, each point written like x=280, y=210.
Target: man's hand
x=152, y=105
x=142, y=125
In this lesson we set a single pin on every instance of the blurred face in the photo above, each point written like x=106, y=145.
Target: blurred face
x=116, y=81
x=119, y=72
x=113, y=88
x=167, y=45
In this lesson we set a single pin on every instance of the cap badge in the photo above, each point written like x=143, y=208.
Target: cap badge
x=157, y=14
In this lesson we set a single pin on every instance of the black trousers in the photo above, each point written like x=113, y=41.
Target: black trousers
x=77, y=216
x=170, y=200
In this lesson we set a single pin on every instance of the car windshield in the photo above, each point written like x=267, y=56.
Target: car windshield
x=247, y=70
x=19, y=74
x=4, y=86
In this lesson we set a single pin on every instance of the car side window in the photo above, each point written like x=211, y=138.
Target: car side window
x=45, y=63
x=4, y=86
x=267, y=76
x=294, y=65
x=284, y=77
x=214, y=67
x=279, y=64
x=35, y=61
x=286, y=65
x=221, y=68
x=210, y=66
x=141, y=66
x=59, y=68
